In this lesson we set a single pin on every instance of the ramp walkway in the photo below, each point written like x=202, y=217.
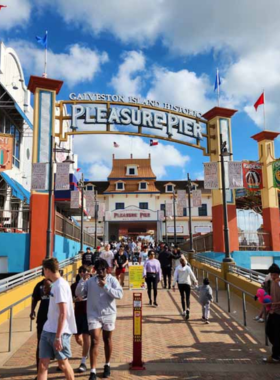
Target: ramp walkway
x=172, y=347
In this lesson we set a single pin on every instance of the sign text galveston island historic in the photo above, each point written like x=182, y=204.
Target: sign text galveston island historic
x=134, y=111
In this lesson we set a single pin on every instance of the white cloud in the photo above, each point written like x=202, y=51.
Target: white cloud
x=16, y=14
x=127, y=82
x=181, y=88
x=95, y=154
x=79, y=64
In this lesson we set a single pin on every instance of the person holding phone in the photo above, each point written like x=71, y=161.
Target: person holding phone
x=101, y=290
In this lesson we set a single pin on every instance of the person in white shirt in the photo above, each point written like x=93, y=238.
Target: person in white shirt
x=184, y=276
x=57, y=331
x=109, y=256
x=143, y=257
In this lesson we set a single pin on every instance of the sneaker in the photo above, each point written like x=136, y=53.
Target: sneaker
x=187, y=314
x=92, y=376
x=107, y=371
x=150, y=302
x=270, y=360
x=203, y=318
x=256, y=318
x=183, y=313
x=155, y=304
x=207, y=322
x=82, y=368
x=261, y=320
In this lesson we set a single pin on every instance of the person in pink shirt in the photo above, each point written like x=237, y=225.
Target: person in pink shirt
x=152, y=275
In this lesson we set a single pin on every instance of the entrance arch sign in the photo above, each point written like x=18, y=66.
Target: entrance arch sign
x=99, y=114
x=87, y=116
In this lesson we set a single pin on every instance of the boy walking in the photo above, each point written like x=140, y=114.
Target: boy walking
x=101, y=290
x=205, y=298
x=56, y=336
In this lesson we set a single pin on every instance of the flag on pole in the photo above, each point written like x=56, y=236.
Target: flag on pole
x=43, y=40
x=3, y=6
x=217, y=81
x=78, y=169
x=259, y=101
x=153, y=142
x=116, y=145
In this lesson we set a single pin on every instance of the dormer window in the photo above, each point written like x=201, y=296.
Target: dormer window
x=143, y=186
x=120, y=186
x=169, y=188
x=90, y=187
x=132, y=170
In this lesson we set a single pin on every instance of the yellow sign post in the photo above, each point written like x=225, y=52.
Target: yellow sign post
x=136, y=280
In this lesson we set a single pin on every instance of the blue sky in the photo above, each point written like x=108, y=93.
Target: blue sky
x=163, y=50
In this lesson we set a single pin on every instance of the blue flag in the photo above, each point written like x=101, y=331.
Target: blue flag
x=43, y=40
x=217, y=81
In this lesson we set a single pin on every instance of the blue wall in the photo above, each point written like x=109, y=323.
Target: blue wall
x=16, y=248
x=243, y=258
x=65, y=248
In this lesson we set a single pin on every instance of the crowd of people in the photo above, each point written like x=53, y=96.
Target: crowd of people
x=87, y=308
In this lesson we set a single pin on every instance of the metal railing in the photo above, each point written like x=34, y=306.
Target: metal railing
x=15, y=221
x=254, y=241
x=67, y=228
x=228, y=286
x=205, y=260
x=249, y=274
x=18, y=279
x=203, y=243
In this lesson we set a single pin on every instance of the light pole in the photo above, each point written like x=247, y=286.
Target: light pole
x=81, y=185
x=189, y=189
x=224, y=153
x=95, y=217
x=165, y=218
x=174, y=214
x=50, y=187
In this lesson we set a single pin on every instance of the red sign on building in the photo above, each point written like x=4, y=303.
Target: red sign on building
x=6, y=152
x=252, y=176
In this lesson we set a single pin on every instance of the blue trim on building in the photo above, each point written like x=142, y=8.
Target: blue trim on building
x=18, y=190
x=134, y=192
x=23, y=115
x=131, y=179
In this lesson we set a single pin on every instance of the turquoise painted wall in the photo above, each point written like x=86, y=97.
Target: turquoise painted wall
x=243, y=258
x=65, y=248
x=16, y=248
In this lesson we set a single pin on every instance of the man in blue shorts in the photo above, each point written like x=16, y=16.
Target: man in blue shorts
x=60, y=325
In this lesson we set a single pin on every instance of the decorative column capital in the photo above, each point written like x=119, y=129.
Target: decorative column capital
x=45, y=83
x=265, y=135
x=219, y=111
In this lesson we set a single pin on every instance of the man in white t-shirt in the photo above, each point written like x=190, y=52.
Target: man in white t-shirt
x=109, y=256
x=55, y=339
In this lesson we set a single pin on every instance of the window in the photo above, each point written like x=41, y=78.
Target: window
x=202, y=211
x=144, y=205
x=185, y=211
x=162, y=207
x=143, y=186
x=169, y=188
x=131, y=170
x=119, y=206
x=90, y=187
x=119, y=186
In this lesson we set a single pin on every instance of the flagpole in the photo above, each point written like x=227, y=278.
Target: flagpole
x=46, y=59
x=264, y=109
x=218, y=82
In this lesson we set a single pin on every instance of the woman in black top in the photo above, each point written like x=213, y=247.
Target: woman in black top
x=121, y=261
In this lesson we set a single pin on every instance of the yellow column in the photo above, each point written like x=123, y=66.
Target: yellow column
x=219, y=122
x=269, y=194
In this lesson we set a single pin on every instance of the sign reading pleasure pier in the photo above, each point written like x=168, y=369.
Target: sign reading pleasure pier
x=91, y=113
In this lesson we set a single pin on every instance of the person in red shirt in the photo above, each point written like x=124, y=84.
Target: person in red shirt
x=82, y=337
